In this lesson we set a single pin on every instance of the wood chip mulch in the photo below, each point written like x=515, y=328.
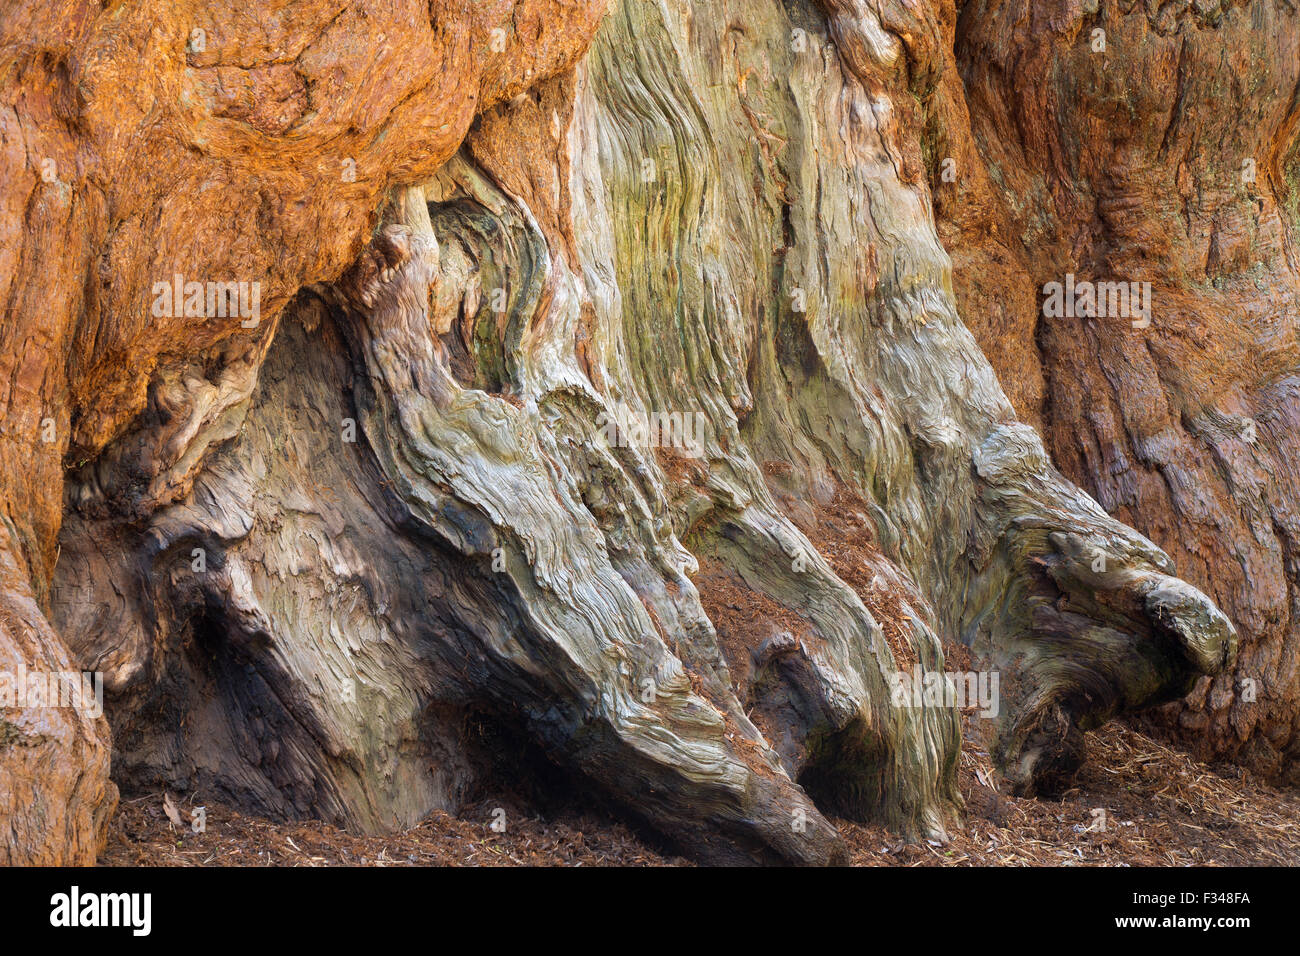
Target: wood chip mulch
x=1135, y=802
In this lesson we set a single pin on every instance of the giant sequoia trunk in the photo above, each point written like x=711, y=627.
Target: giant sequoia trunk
x=314, y=550
x=1164, y=150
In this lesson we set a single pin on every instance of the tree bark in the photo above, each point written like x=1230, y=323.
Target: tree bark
x=1166, y=153
x=314, y=557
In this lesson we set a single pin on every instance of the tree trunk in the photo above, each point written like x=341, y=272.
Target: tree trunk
x=1155, y=143
x=608, y=391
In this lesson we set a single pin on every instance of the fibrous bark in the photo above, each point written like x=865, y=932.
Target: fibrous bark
x=1165, y=153
x=311, y=557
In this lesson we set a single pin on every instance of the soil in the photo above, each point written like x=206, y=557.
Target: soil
x=1161, y=808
